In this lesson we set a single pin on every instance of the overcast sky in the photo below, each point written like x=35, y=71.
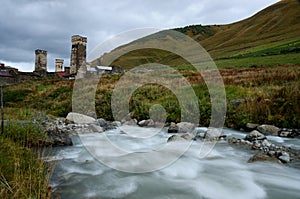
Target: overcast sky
x=26, y=25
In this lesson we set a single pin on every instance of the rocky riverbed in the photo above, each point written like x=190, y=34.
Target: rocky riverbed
x=59, y=131
x=224, y=172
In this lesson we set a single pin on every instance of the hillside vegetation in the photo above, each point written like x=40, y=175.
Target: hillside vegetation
x=268, y=95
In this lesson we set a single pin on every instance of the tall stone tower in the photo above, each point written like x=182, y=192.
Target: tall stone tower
x=40, y=60
x=59, y=65
x=78, y=53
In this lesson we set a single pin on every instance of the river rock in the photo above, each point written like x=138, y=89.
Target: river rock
x=251, y=126
x=175, y=138
x=57, y=136
x=146, y=123
x=200, y=132
x=213, y=133
x=95, y=128
x=262, y=157
x=266, y=143
x=80, y=118
x=188, y=136
x=173, y=128
x=185, y=127
x=287, y=134
x=255, y=135
x=132, y=122
x=290, y=133
x=284, y=157
x=268, y=129
x=105, y=125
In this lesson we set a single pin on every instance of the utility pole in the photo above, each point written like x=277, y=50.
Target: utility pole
x=2, y=111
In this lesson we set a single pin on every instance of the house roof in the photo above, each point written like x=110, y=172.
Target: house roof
x=104, y=67
x=5, y=74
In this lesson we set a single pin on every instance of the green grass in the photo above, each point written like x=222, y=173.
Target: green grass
x=256, y=62
x=23, y=174
x=278, y=49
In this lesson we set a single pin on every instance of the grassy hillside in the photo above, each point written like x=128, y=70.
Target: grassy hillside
x=269, y=95
x=270, y=37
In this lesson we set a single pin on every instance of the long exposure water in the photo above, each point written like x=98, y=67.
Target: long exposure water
x=222, y=174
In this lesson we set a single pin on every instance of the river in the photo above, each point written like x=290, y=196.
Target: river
x=223, y=173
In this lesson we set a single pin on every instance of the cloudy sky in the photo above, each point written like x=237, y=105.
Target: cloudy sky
x=26, y=25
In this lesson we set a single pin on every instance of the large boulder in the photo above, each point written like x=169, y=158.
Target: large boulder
x=185, y=127
x=213, y=133
x=262, y=158
x=80, y=118
x=173, y=128
x=56, y=136
x=255, y=135
x=268, y=129
x=251, y=126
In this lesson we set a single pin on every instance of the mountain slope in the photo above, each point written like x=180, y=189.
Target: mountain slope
x=276, y=24
x=274, y=31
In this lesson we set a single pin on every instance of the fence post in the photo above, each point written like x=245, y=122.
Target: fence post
x=2, y=111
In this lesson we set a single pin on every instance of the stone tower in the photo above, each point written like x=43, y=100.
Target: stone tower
x=78, y=53
x=59, y=65
x=40, y=60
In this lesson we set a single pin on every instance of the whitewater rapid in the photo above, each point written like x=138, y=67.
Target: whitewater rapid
x=223, y=173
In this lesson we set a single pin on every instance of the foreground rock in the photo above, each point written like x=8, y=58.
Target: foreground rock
x=57, y=136
x=185, y=127
x=251, y=126
x=268, y=129
x=173, y=128
x=181, y=137
x=182, y=127
x=214, y=134
x=262, y=158
x=129, y=120
x=80, y=118
x=255, y=135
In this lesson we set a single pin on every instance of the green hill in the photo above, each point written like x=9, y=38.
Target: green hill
x=270, y=37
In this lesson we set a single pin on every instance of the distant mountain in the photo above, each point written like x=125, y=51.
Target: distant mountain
x=273, y=31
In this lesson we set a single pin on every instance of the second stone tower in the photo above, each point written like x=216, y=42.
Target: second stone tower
x=78, y=53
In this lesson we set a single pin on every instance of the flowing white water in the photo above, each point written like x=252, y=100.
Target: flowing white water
x=223, y=174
